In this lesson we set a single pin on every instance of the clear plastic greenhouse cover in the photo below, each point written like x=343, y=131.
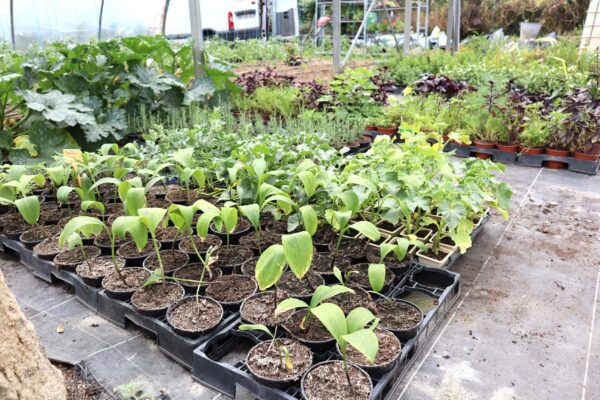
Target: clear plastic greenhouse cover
x=39, y=21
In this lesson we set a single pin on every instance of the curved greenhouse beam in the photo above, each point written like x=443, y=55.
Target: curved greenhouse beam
x=12, y=24
x=100, y=20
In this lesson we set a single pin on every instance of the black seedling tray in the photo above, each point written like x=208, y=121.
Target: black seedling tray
x=527, y=160
x=212, y=369
x=177, y=347
x=47, y=271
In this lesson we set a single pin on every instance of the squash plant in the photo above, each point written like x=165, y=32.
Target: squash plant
x=350, y=330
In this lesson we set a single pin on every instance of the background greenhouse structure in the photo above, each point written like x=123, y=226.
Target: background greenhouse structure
x=299, y=199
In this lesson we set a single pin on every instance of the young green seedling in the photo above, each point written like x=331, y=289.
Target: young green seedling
x=29, y=208
x=350, y=330
x=223, y=218
x=321, y=294
x=184, y=162
x=284, y=355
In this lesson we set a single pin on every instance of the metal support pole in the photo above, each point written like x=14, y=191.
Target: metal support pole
x=12, y=25
x=407, y=25
x=337, y=33
x=457, y=12
x=100, y=20
x=163, y=24
x=391, y=22
x=362, y=26
x=197, y=37
x=450, y=27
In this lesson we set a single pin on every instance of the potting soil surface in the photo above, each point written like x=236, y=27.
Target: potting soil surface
x=526, y=324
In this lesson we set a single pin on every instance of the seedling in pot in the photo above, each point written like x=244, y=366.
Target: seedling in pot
x=58, y=177
x=321, y=294
x=187, y=173
x=284, y=354
x=138, y=227
x=29, y=208
x=296, y=251
x=88, y=227
x=223, y=218
x=350, y=330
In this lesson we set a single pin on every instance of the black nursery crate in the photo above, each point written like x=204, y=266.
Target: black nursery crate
x=48, y=272
x=210, y=370
x=469, y=151
x=442, y=289
x=175, y=346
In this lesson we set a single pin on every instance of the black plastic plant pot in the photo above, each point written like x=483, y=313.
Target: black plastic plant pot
x=244, y=227
x=249, y=267
x=432, y=279
x=205, y=304
x=63, y=262
x=408, y=307
x=231, y=283
x=107, y=247
x=29, y=244
x=173, y=292
x=377, y=370
x=323, y=368
x=124, y=293
x=41, y=252
x=138, y=259
x=170, y=266
x=231, y=258
x=301, y=356
x=317, y=346
x=48, y=195
x=359, y=276
x=267, y=302
x=193, y=272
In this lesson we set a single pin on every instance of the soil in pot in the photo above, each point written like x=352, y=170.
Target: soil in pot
x=260, y=309
x=158, y=191
x=201, y=244
x=159, y=203
x=388, y=226
x=104, y=242
x=69, y=259
x=231, y=289
x=194, y=315
x=158, y=297
x=167, y=234
x=350, y=301
x=133, y=277
x=248, y=268
x=352, y=248
x=277, y=226
x=260, y=241
x=38, y=234
x=323, y=263
x=391, y=261
x=358, y=275
x=94, y=269
x=179, y=195
x=232, y=257
x=13, y=225
x=265, y=361
x=130, y=251
x=328, y=381
x=323, y=236
x=300, y=289
x=54, y=216
x=243, y=226
x=313, y=332
x=171, y=260
x=48, y=249
x=193, y=272
x=398, y=315
x=389, y=350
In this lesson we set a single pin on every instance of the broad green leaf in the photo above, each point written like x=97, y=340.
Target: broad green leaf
x=152, y=217
x=401, y=248
x=63, y=192
x=87, y=226
x=323, y=293
x=86, y=205
x=333, y=319
x=309, y=182
x=204, y=222
x=199, y=177
x=185, y=157
x=350, y=200
x=269, y=266
x=252, y=212
x=309, y=218
x=290, y=304
x=134, y=226
x=229, y=216
x=255, y=327
x=387, y=248
x=298, y=249
x=377, y=276
x=338, y=274
x=29, y=207
x=181, y=216
x=366, y=229
x=504, y=196
x=134, y=200
x=73, y=241
x=204, y=206
x=104, y=181
x=260, y=166
x=358, y=318
x=365, y=341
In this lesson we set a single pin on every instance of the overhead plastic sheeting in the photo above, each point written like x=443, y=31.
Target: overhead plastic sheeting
x=5, y=21
x=131, y=17
x=39, y=21
x=178, y=18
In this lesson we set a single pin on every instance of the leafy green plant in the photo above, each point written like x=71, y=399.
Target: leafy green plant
x=187, y=173
x=226, y=217
x=350, y=330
